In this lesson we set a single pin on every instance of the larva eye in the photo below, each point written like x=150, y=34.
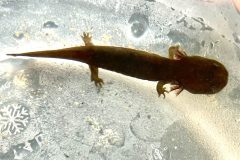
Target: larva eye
x=216, y=65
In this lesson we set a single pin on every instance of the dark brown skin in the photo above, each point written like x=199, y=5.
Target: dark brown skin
x=195, y=74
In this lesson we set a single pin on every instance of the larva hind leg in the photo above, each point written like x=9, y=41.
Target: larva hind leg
x=87, y=39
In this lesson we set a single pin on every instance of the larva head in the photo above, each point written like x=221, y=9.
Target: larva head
x=204, y=75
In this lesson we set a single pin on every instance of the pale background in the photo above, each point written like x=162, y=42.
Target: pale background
x=49, y=109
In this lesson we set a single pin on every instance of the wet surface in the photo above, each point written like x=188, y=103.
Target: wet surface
x=139, y=24
x=50, y=110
